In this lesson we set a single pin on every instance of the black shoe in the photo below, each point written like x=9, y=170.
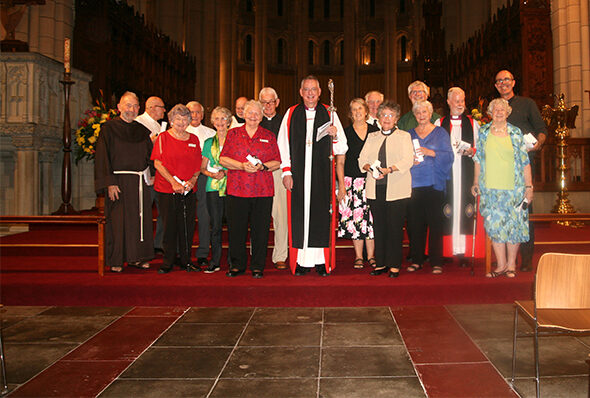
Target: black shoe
x=321, y=270
x=164, y=270
x=234, y=272
x=212, y=268
x=158, y=250
x=192, y=268
x=526, y=268
x=300, y=271
x=463, y=262
x=393, y=274
x=379, y=271
x=202, y=262
x=257, y=274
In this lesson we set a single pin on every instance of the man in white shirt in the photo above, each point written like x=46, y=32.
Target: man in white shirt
x=373, y=100
x=306, y=165
x=238, y=119
x=271, y=121
x=203, y=133
x=154, y=111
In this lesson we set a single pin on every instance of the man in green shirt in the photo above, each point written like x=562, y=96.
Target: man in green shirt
x=417, y=91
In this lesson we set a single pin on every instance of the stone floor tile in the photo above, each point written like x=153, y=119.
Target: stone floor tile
x=157, y=311
x=465, y=380
x=487, y=321
x=282, y=335
x=201, y=334
x=158, y=388
x=253, y=362
x=217, y=315
x=554, y=387
x=23, y=361
x=558, y=356
x=361, y=334
x=378, y=387
x=366, y=361
x=21, y=310
x=86, y=311
x=63, y=329
x=287, y=315
x=357, y=314
x=7, y=321
x=265, y=388
x=172, y=363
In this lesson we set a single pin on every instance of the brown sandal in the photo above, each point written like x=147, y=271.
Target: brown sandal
x=373, y=262
x=359, y=263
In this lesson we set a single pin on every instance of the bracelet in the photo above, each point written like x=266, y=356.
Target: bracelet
x=390, y=169
x=529, y=186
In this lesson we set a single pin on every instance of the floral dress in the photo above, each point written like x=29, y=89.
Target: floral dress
x=504, y=220
x=356, y=220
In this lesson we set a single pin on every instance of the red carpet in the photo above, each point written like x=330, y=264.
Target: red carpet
x=42, y=273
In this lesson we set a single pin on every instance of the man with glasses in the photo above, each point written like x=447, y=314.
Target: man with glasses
x=271, y=120
x=306, y=168
x=373, y=100
x=526, y=116
x=203, y=133
x=122, y=157
x=417, y=91
x=154, y=112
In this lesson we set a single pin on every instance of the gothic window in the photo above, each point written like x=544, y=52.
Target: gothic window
x=310, y=51
x=403, y=46
x=248, y=49
x=341, y=45
x=372, y=8
x=249, y=6
x=281, y=51
x=280, y=8
x=372, y=51
x=326, y=52
x=326, y=9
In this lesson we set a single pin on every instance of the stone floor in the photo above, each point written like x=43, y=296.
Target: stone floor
x=444, y=351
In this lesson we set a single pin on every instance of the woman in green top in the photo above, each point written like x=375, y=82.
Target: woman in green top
x=502, y=176
x=216, y=181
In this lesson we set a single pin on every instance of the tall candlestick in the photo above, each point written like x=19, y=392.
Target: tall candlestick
x=67, y=55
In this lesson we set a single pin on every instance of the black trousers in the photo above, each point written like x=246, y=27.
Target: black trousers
x=216, y=208
x=527, y=248
x=178, y=215
x=203, y=216
x=425, y=217
x=388, y=227
x=242, y=212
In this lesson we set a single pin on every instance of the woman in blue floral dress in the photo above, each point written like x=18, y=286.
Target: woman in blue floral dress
x=503, y=178
x=356, y=221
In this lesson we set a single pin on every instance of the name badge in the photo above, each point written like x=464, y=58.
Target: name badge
x=263, y=140
x=192, y=145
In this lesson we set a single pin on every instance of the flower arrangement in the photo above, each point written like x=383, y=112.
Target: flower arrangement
x=479, y=114
x=89, y=129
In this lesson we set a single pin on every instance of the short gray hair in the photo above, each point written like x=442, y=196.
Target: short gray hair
x=455, y=90
x=422, y=104
x=255, y=104
x=268, y=90
x=129, y=94
x=193, y=103
x=499, y=101
x=421, y=84
x=179, y=110
x=224, y=111
x=376, y=92
x=392, y=106
x=309, y=77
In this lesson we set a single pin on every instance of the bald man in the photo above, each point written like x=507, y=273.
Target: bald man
x=154, y=111
x=238, y=119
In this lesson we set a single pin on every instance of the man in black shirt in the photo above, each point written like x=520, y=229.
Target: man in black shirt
x=526, y=116
x=271, y=121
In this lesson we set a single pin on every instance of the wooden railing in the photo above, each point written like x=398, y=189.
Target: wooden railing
x=546, y=174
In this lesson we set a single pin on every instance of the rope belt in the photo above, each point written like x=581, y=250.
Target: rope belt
x=140, y=175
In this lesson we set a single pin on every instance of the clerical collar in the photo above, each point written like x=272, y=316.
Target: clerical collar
x=455, y=117
x=388, y=132
x=310, y=109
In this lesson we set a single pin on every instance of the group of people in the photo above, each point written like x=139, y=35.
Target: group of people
x=305, y=171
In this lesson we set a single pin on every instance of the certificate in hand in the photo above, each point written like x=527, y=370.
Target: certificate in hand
x=323, y=130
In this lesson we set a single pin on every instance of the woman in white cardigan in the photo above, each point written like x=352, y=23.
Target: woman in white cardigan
x=387, y=157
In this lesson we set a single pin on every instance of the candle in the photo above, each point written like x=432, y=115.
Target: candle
x=67, y=55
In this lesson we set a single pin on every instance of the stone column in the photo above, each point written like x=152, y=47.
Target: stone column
x=351, y=56
x=571, y=58
x=260, y=60
x=301, y=20
x=47, y=159
x=26, y=175
x=390, y=50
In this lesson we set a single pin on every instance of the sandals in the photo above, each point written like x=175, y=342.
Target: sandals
x=140, y=264
x=510, y=274
x=373, y=262
x=495, y=274
x=117, y=270
x=414, y=267
x=437, y=270
x=358, y=263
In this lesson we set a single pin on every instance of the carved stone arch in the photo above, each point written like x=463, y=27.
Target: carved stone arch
x=313, y=51
x=370, y=46
x=408, y=48
x=339, y=50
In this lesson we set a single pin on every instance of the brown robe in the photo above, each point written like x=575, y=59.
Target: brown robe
x=123, y=146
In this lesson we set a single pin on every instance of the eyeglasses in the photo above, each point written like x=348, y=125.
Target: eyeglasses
x=388, y=116
x=268, y=102
x=505, y=80
x=413, y=92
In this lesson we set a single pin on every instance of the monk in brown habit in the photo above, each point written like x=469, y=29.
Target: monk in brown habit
x=122, y=173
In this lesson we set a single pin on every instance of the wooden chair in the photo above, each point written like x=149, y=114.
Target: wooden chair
x=561, y=302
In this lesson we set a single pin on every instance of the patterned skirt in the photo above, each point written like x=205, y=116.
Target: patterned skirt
x=356, y=221
x=504, y=221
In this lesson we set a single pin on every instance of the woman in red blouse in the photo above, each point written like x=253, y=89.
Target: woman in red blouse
x=251, y=155
x=177, y=158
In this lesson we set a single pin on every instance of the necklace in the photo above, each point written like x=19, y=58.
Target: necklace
x=501, y=131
